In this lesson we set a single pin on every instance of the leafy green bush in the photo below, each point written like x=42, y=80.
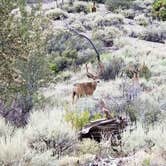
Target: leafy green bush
x=56, y=14
x=115, y=4
x=53, y=67
x=159, y=9
x=80, y=119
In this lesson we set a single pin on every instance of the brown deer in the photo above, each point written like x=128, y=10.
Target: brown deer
x=84, y=89
x=87, y=88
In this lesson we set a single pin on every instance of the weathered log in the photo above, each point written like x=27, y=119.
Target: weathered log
x=111, y=128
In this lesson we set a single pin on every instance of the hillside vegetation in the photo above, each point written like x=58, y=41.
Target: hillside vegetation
x=46, y=48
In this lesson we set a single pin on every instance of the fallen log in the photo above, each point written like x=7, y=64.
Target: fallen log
x=111, y=128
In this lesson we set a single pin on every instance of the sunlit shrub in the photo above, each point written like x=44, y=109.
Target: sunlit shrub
x=80, y=119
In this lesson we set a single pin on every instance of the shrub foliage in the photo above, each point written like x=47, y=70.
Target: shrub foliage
x=159, y=9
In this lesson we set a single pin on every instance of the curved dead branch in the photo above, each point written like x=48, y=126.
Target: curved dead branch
x=84, y=36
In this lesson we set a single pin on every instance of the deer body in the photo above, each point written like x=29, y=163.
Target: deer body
x=84, y=89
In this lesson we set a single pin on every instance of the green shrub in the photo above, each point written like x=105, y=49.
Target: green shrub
x=115, y=4
x=49, y=137
x=148, y=109
x=108, y=20
x=62, y=63
x=159, y=9
x=129, y=13
x=141, y=20
x=68, y=8
x=53, y=67
x=106, y=33
x=146, y=162
x=112, y=68
x=152, y=34
x=80, y=119
x=98, y=1
x=56, y=14
x=145, y=72
x=63, y=48
x=81, y=7
x=88, y=146
x=132, y=113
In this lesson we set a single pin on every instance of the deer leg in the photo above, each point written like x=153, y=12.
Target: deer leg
x=73, y=96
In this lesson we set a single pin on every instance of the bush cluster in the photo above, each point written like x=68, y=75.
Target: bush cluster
x=159, y=9
x=108, y=20
x=80, y=119
x=63, y=49
x=112, y=68
x=56, y=14
x=81, y=7
x=152, y=34
x=112, y=5
x=141, y=20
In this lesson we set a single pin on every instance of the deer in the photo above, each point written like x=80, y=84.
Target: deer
x=84, y=89
x=87, y=88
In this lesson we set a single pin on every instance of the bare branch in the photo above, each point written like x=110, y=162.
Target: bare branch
x=84, y=36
